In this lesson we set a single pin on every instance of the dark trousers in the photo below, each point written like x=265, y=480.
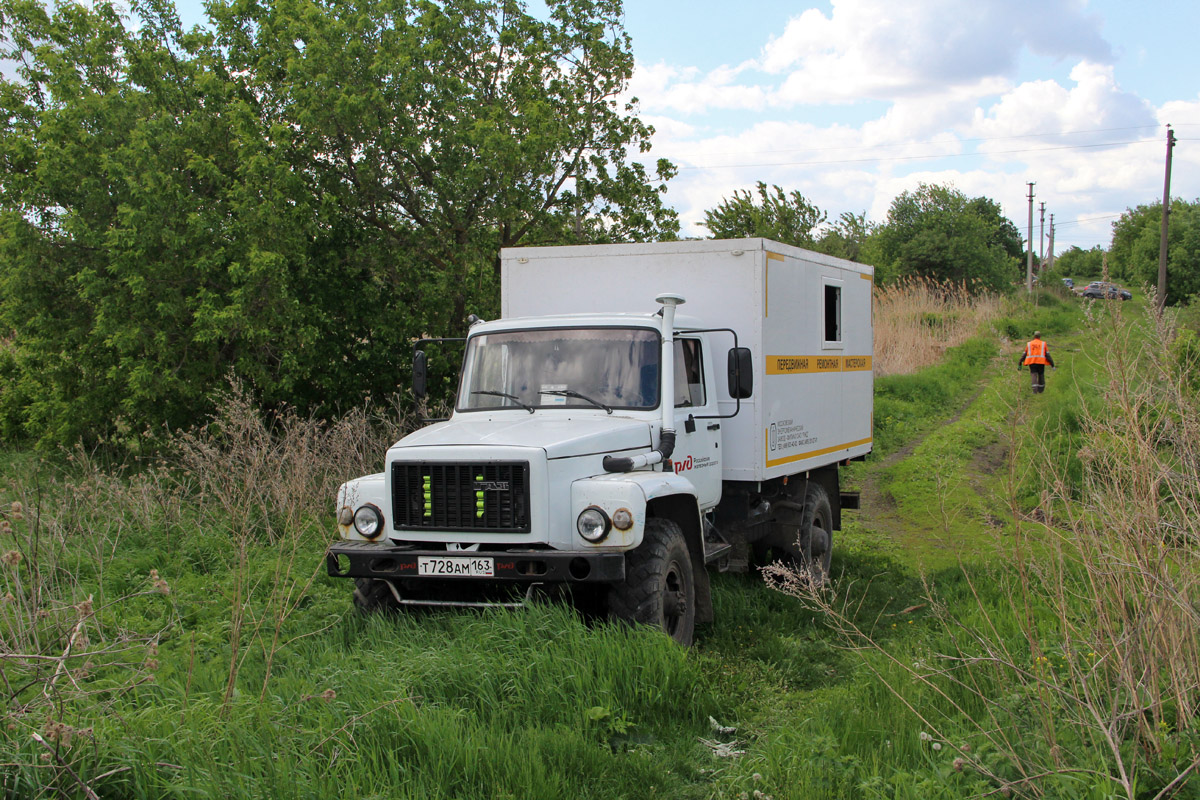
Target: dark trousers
x=1037, y=374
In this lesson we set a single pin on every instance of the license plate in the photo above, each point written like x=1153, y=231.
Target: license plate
x=456, y=567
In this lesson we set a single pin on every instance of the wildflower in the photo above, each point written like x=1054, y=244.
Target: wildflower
x=151, y=664
x=11, y=558
x=328, y=695
x=5, y=527
x=937, y=745
x=84, y=608
x=8, y=597
x=160, y=585
x=958, y=763
x=17, y=511
x=925, y=737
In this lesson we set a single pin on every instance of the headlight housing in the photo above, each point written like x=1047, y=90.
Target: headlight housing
x=593, y=524
x=368, y=520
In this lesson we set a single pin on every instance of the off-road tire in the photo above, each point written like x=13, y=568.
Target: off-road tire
x=802, y=538
x=372, y=596
x=659, y=587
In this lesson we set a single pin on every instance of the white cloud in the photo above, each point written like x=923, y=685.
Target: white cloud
x=663, y=87
x=881, y=49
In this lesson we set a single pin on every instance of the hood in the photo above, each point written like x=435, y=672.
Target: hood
x=559, y=435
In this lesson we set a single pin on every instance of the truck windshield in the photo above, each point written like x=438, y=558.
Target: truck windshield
x=607, y=368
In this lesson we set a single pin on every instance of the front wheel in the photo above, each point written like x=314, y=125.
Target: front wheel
x=659, y=587
x=372, y=595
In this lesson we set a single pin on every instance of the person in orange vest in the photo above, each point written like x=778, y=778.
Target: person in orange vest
x=1036, y=357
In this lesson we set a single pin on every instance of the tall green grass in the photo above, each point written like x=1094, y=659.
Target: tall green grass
x=542, y=703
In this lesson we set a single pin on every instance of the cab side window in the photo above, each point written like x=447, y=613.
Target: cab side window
x=689, y=376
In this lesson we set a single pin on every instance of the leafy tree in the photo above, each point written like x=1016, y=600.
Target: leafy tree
x=784, y=217
x=937, y=232
x=451, y=130
x=1079, y=263
x=1137, y=236
x=289, y=198
x=846, y=237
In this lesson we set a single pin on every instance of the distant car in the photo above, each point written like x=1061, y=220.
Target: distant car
x=1099, y=290
x=1067, y=282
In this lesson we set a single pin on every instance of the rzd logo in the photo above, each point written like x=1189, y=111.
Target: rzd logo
x=683, y=465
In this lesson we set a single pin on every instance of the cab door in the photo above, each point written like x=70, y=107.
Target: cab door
x=697, y=455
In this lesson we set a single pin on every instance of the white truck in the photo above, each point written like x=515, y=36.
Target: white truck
x=562, y=466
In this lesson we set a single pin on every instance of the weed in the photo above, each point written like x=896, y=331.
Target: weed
x=917, y=321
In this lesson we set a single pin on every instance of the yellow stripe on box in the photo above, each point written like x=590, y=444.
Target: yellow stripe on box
x=799, y=365
x=856, y=363
x=767, y=282
x=810, y=454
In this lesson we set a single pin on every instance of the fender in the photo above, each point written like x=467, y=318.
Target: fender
x=634, y=491
x=352, y=494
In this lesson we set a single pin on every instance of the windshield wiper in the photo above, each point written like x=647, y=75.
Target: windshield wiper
x=573, y=393
x=512, y=397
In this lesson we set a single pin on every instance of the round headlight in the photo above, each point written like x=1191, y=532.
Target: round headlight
x=593, y=524
x=622, y=519
x=368, y=520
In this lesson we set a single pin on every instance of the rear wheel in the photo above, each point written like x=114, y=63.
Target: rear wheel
x=801, y=536
x=659, y=587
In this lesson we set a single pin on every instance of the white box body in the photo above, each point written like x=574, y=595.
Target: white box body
x=806, y=318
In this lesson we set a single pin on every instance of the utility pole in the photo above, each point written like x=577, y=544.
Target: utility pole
x=1166, y=213
x=1029, y=246
x=1050, y=256
x=1042, y=236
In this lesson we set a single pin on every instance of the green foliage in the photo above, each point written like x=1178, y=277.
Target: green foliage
x=1137, y=236
x=937, y=232
x=847, y=237
x=1185, y=358
x=787, y=218
x=1079, y=264
x=290, y=197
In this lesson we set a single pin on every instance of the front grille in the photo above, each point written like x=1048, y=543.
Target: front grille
x=461, y=496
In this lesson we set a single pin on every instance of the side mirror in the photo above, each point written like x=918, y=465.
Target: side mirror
x=741, y=373
x=420, y=374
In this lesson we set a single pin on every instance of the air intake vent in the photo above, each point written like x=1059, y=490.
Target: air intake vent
x=459, y=496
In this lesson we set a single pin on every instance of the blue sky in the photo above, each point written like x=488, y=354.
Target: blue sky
x=853, y=101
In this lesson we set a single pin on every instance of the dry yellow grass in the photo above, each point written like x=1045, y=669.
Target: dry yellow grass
x=917, y=320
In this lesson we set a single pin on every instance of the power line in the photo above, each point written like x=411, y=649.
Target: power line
x=911, y=142
x=1085, y=219
x=915, y=158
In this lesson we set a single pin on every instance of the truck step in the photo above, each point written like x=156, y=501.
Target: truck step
x=714, y=550
x=850, y=500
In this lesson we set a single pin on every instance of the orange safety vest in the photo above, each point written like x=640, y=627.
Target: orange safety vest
x=1035, y=352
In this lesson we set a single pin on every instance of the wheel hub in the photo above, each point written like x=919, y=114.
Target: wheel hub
x=820, y=543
